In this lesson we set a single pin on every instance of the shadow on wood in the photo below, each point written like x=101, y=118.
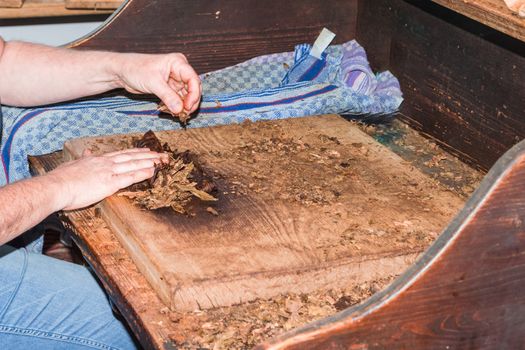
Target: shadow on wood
x=466, y=291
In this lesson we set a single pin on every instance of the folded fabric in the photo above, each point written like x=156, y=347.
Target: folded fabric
x=341, y=81
x=309, y=68
x=251, y=90
x=356, y=73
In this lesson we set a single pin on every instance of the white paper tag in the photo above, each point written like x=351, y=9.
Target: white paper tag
x=321, y=43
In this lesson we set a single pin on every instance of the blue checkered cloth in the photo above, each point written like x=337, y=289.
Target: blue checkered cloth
x=267, y=87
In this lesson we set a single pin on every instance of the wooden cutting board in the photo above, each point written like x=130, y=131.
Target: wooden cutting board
x=303, y=204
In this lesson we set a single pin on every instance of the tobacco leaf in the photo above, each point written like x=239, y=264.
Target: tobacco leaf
x=183, y=116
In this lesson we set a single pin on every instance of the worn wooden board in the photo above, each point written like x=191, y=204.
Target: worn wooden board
x=292, y=217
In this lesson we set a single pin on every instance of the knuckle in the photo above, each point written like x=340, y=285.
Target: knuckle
x=181, y=56
x=178, y=57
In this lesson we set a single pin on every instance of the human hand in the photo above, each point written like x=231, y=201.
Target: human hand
x=92, y=178
x=169, y=76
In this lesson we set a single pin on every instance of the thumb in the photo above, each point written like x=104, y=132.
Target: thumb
x=170, y=98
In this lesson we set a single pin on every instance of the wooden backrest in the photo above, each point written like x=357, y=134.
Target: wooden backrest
x=462, y=81
x=217, y=34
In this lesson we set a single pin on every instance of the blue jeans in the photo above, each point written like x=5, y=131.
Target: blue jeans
x=47, y=303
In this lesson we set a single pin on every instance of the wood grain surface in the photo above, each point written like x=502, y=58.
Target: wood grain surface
x=266, y=242
x=464, y=293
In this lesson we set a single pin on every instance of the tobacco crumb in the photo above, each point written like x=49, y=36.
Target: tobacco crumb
x=98, y=212
x=246, y=325
x=212, y=211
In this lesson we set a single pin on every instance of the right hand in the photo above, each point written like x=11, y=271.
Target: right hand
x=90, y=179
x=169, y=76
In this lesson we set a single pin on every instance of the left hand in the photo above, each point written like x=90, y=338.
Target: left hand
x=90, y=179
x=169, y=76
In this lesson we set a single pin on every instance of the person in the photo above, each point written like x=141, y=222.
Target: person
x=47, y=303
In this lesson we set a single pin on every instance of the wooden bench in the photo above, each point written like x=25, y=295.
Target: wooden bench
x=463, y=87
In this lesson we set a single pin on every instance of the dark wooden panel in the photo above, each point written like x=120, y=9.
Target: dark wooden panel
x=466, y=292
x=216, y=34
x=462, y=81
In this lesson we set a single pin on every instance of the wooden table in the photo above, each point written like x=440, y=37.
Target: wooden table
x=132, y=294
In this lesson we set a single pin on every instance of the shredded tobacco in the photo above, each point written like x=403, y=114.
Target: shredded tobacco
x=174, y=184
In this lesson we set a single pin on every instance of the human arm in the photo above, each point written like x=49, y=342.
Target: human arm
x=33, y=74
x=74, y=185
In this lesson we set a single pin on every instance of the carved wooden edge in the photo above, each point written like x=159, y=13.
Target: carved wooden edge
x=118, y=12
x=132, y=294
x=490, y=204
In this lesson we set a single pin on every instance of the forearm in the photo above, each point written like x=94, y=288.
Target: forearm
x=25, y=203
x=33, y=74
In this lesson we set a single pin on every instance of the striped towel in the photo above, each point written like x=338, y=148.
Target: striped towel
x=254, y=90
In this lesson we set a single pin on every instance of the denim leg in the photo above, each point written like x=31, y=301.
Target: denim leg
x=47, y=303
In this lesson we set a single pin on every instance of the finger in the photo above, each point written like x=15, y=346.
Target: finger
x=175, y=84
x=125, y=157
x=87, y=152
x=192, y=80
x=133, y=165
x=180, y=88
x=126, y=179
x=126, y=151
x=169, y=96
